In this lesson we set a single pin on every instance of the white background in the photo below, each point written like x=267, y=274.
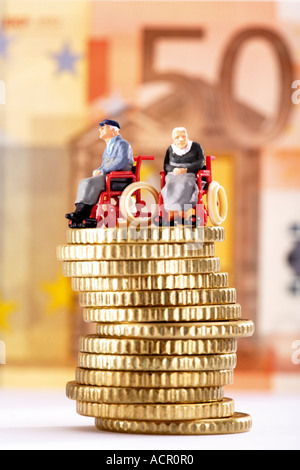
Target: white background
x=41, y=420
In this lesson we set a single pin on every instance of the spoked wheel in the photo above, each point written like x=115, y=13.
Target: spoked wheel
x=139, y=203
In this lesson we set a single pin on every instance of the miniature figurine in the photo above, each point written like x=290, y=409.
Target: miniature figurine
x=117, y=156
x=183, y=160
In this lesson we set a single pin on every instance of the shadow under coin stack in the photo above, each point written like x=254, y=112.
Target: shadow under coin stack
x=167, y=326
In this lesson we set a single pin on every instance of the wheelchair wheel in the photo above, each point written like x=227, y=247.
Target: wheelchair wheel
x=136, y=212
x=217, y=203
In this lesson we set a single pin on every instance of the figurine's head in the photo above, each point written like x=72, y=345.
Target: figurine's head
x=180, y=137
x=108, y=129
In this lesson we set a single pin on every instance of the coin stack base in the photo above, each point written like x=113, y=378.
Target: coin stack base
x=167, y=326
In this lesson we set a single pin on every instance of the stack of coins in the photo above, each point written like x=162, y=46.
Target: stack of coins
x=166, y=330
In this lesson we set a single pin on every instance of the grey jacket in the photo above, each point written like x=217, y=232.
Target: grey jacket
x=119, y=159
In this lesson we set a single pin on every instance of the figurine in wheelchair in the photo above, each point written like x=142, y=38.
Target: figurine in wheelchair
x=186, y=179
x=123, y=198
x=109, y=193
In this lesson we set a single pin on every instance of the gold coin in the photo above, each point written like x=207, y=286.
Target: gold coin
x=140, y=267
x=193, y=313
x=220, y=409
x=96, y=345
x=157, y=298
x=164, y=331
x=129, y=379
x=125, y=395
x=133, y=283
x=157, y=363
x=237, y=423
x=134, y=251
x=146, y=235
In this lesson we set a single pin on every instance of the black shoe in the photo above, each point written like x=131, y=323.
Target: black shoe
x=73, y=224
x=82, y=212
x=90, y=223
x=73, y=217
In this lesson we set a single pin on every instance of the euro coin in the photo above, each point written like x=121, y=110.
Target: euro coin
x=140, y=267
x=157, y=363
x=134, y=251
x=125, y=395
x=96, y=345
x=233, y=329
x=158, y=298
x=158, y=282
x=195, y=379
x=237, y=423
x=146, y=235
x=169, y=314
x=158, y=412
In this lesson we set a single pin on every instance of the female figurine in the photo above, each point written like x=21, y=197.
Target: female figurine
x=184, y=158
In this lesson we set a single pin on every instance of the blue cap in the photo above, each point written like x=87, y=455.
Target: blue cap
x=109, y=122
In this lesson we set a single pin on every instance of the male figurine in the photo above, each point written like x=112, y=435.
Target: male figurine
x=117, y=156
x=184, y=158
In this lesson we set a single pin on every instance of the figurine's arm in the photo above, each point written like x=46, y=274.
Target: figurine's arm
x=100, y=169
x=198, y=162
x=119, y=159
x=167, y=166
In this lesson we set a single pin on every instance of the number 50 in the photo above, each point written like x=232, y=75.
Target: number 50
x=238, y=125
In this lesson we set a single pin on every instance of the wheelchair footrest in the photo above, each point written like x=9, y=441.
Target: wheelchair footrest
x=90, y=223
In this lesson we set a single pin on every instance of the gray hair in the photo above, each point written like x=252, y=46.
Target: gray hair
x=115, y=128
x=178, y=129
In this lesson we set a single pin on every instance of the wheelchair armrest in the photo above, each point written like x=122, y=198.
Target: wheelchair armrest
x=203, y=179
x=162, y=178
x=119, y=174
x=116, y=175
x=203, y=173
x=144, y=157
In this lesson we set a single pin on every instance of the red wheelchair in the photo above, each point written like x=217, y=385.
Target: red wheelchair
x=216, y=206
x=123, y=199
